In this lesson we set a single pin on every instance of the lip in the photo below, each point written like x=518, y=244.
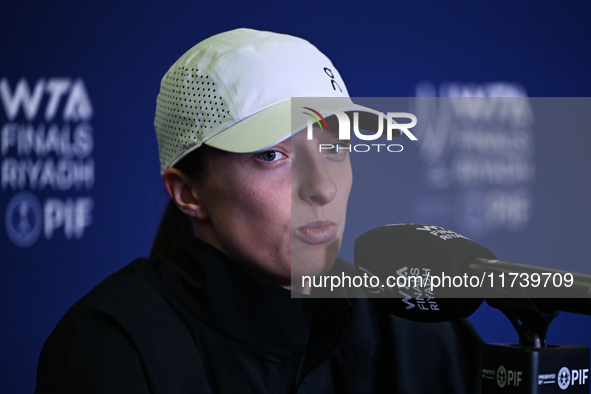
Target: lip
x=317, y=231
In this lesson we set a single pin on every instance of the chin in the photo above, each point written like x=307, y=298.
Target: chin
x=314, y=260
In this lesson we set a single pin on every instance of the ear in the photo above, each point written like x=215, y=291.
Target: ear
x=182, y=190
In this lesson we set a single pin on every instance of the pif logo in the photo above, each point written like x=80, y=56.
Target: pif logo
x=573, y=377
x=392, y=128
x=508, y=377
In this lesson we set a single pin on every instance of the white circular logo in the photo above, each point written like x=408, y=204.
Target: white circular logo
x=563, y=378
x=23, y=219
x=501, y=376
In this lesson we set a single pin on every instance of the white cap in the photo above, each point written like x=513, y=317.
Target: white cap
x=232, y=91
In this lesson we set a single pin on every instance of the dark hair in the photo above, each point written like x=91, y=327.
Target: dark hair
x=175, y=226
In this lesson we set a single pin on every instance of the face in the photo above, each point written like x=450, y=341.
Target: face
x=279, y=210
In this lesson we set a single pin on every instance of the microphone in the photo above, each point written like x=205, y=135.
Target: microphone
x=427, y=273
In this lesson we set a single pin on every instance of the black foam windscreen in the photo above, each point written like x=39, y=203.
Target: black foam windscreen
x=398, y=253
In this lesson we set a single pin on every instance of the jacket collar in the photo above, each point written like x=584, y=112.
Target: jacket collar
x=265, y=317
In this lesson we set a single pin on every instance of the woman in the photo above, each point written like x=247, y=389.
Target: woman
x=250, y=203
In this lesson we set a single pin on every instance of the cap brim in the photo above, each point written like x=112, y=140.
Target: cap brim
x=262, y=130
x=268, y=128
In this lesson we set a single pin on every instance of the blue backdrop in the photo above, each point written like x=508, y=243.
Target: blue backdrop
x=81, y=193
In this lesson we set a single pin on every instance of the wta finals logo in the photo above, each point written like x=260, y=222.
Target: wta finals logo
x=46, y=146
x=477, y=147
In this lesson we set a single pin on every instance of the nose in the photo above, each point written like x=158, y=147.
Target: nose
x=316, y=185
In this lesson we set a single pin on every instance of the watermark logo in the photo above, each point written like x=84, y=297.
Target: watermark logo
x=358, y=121
x=315, y=118
x=393, y=128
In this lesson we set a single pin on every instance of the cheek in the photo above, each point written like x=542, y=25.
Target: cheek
x=252, y=217
x=272, y=214
x=259, y=235
x=266, y=199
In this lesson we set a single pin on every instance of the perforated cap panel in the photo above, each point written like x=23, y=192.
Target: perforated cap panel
x=189, y=108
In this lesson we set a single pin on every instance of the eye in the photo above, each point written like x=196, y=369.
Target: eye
x=271, y=155
x=339, y=148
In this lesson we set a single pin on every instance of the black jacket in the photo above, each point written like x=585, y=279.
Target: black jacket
x=199, y=324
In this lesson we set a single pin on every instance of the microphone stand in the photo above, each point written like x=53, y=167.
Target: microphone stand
x=532, y=366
